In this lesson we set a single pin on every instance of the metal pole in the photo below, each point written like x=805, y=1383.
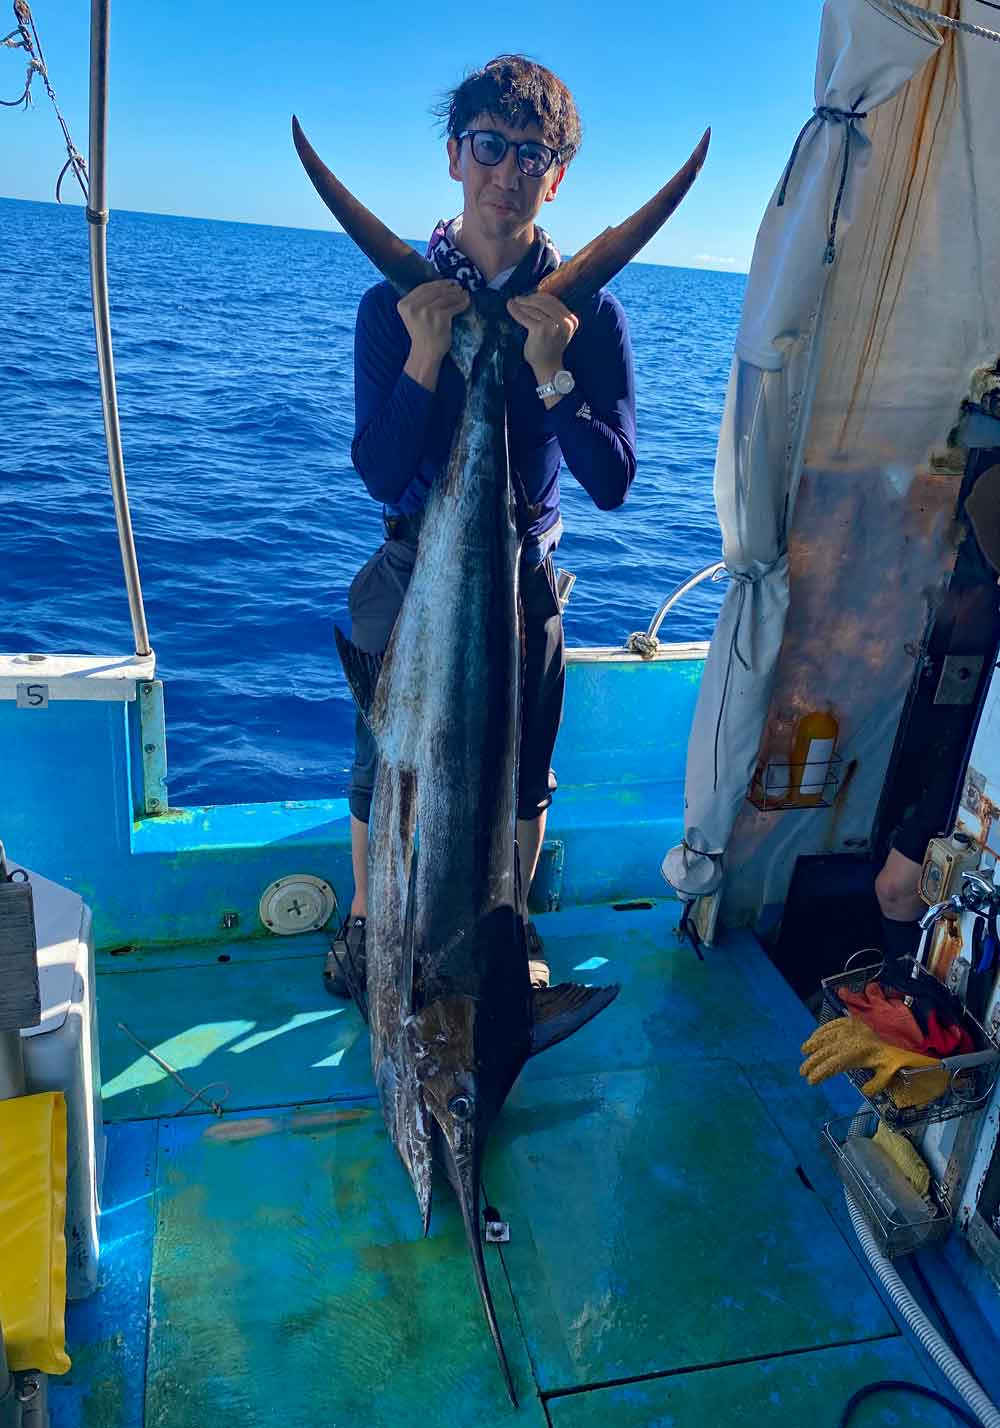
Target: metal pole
x=97, y=215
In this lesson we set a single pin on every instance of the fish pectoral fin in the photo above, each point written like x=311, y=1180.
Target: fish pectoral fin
x=362, y=671
x=563, y=1009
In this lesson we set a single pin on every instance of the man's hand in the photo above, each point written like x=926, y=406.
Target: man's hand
x=550, y=326
x=427, y=313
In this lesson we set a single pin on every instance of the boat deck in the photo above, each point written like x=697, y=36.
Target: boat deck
x=679, y=1253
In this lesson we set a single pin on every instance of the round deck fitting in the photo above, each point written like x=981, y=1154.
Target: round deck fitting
x=298, y=903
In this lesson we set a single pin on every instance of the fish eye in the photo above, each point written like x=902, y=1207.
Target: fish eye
x=461, y=1107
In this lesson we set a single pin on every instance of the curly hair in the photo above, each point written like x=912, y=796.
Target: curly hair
x=519, y=92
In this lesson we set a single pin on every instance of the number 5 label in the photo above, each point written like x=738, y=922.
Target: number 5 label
x=32, y=696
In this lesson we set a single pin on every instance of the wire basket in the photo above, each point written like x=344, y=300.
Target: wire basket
x=897, y=1232
x=776, y=786
x=973, y=1076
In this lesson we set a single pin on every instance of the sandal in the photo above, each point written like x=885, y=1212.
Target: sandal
x=346, y=951
x=538, y=968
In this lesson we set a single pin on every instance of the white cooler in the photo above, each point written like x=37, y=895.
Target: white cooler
x=63, y=1054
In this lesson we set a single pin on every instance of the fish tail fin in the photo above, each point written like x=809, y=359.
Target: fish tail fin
x=563, y=1009
x=362, y=671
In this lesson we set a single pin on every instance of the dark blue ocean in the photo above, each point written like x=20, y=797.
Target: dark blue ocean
x=233, y=347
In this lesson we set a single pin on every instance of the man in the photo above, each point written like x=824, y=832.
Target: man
x=512, y=131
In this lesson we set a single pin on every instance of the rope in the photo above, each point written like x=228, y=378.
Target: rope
x=25, y=37
x=949, y=23
x=823, y=113
x=214, y=1106
x=742, y=580
x=643, y=644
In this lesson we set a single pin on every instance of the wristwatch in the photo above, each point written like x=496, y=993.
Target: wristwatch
x=560, y=386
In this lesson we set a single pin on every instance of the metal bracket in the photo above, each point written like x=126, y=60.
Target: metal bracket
x=546, y=890
x=959, y=679
x=497, y=1232
x=153, y=733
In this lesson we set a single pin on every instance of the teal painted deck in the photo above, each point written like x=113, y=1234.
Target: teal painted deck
x=673, y=1223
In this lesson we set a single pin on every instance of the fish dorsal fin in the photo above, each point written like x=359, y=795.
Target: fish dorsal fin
x=563, y=1009
x=362, y=671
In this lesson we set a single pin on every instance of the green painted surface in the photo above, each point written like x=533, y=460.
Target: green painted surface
x=781, y=1393
x=658, y=1223
x=268, y=1031
x=291, y=1285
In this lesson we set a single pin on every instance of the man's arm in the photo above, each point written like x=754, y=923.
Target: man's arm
x=398, y=351
x=600, y=449
x=391, y=411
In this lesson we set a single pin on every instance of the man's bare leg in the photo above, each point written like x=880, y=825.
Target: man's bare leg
x=530, y=837
x=900, y=904
x=347, y=949
x=896, y=888
x=359, y=862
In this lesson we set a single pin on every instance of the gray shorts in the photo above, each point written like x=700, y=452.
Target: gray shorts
x=375, y=600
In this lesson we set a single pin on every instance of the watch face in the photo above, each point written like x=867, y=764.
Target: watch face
x=563, y=383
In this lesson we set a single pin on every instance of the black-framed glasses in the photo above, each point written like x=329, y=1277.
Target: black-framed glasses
x=490, y=148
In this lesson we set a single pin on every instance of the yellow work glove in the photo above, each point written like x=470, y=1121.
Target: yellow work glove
x=847, y=1044
x=906, y=1156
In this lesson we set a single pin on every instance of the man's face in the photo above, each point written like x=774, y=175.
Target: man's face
x=500, y=198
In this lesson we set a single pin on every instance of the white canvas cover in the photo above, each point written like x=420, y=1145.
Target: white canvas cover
x=868, y=50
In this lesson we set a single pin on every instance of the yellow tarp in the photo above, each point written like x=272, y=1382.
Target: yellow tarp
x=32, y=1231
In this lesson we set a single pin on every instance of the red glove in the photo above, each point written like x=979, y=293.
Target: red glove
x=892, y=1021
x=946, y=1040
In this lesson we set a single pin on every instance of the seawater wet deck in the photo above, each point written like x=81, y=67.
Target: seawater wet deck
x=678, y=1247
x=677, y=1254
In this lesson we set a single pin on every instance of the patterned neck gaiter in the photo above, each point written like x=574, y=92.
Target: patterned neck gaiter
x=543, y=257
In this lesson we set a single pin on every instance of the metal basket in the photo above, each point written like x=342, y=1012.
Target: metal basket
x=973, y=1076
x=774, y=787
x=896, y=1236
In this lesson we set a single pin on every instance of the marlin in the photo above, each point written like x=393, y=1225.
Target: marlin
x=450, y=1008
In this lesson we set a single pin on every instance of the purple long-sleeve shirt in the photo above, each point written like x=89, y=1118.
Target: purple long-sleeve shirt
x=403, y=433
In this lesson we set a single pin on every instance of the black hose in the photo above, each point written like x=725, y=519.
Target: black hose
x=893, y=1385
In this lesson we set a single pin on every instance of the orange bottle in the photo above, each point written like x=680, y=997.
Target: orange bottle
x=812, y=754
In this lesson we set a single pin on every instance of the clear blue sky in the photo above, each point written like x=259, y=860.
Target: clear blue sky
x=201, y=98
